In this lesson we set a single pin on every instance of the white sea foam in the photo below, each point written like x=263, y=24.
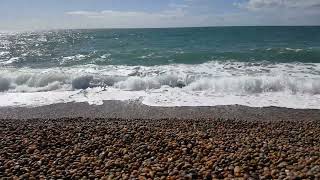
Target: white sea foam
x=68, y=59
x=295, y=50
x=208, y=84
x=4, y=53
x=11, y=60
x=106, y=56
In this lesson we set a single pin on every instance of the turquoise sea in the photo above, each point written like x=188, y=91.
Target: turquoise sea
x=161, y=46
x=254, y=66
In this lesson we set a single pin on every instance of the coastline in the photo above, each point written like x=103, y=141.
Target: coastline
x=204, y=69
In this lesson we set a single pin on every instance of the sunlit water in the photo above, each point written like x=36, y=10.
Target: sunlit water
x=254, y=66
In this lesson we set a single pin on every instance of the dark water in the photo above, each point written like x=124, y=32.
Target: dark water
x=160, y=46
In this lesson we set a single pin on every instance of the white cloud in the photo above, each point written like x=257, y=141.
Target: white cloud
x=283, y=12
x=179, y=6
x=276, y=4
x=110, y=18
x=128, y=14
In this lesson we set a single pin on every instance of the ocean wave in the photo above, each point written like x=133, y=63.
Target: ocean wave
x=281, y=50
x=145, y=83
x=216, y=77
x=295, y=50
x=254, y=85
x=235, y=85
x=295, y=85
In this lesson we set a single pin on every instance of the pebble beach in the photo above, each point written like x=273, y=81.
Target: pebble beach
x=112, y=148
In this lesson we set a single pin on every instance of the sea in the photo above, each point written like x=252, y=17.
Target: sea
x=207, y=66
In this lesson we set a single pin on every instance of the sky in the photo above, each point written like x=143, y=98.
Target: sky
x=83, y=14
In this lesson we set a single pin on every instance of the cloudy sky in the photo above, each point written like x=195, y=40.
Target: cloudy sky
x=59, y=14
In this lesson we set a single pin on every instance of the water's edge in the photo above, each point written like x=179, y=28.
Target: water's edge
x=136, y=110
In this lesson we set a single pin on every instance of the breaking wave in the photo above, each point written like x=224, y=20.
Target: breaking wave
x=231, y=77
x=252, y=85
x=207, y=84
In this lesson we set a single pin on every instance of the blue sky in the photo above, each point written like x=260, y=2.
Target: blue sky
x=59, y=14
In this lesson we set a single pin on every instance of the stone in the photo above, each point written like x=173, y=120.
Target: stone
x=31, y=148
x=237, y=171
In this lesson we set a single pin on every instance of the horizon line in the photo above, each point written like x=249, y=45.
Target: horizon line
x=178, y=27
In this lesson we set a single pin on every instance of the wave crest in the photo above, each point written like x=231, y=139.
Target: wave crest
x=227, y=77
x=252, y=85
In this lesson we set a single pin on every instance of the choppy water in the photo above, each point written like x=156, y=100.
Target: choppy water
x=255, y=66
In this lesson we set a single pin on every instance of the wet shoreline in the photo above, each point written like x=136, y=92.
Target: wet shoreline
x=136, y=110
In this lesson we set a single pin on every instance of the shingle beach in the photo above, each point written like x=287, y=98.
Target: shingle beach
x=110, y=148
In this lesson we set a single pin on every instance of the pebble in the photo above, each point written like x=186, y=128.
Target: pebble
x=159, y=149
x=237, y=171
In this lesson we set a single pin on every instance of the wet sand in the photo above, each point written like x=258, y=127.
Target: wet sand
x=136, y=110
